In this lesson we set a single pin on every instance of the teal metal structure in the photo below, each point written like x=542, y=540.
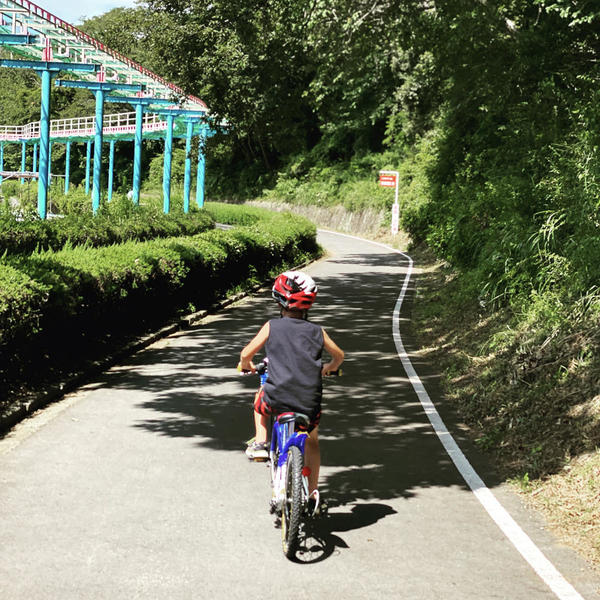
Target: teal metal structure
x=67, y=166
x=99, y=89
x=87, y=166
x=140, y=103
x=201, y=172
x=111, y=168
x=23, y=159
x=46, y=69
x=162, y=110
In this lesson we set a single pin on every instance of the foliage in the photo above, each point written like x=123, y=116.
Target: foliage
x=235, y=214
x=489, y=112
x=99, y=287
x=116, y=222
x=155, y=170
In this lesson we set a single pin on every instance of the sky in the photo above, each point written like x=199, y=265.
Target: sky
x=75, y=12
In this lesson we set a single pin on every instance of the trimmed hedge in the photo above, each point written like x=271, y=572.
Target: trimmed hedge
x=21, y=302
x=97, y=287
x=236, y=214
x=113, y=225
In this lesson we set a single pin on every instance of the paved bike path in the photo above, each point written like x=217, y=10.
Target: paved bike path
x=137, y=487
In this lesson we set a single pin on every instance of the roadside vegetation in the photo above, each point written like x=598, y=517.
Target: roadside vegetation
x=22, y=231
x=490, y=113
x=61, y=308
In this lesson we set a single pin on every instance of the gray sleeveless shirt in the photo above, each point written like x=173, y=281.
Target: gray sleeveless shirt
x=294, y=348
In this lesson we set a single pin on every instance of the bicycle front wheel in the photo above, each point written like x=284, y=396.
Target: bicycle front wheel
x=292, y=505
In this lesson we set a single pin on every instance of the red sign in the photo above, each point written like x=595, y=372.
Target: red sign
x=387, y=180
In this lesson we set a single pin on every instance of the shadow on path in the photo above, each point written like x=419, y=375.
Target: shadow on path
x=377, y=443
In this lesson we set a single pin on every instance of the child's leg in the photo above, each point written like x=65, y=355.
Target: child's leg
x=312, y=459
x=261, y=420
x=261, y=423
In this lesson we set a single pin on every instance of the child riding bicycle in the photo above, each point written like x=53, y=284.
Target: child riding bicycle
x=294, y=346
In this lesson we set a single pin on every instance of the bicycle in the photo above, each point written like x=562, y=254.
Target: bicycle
x=290, y=499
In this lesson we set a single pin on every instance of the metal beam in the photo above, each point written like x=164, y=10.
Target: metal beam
x=44, y=144
x=187, y=181
x=43, y=65
x=137, y=152
x=88, y=158
x=111, y=168
x=135, y=100
x=67, y=167
x=178, y=112
x=167, y=165
x=19, y=39
x=201, y=172
x=96, y=190
x=23, y=159
x=103, y=86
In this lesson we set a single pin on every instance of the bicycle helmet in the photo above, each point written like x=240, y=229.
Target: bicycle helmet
x=295, y=290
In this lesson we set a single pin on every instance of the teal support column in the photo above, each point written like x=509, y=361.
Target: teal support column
x=187, y=181
x=167, y=165
x=35, y=153
x=46, y=68
x=49, y=164
x=67, y=167
x=23, y=160
x=137, y=152
x=111, y=168
x=1, y=160
x=201, y=172
x=96, y=191
x=44, y=144
x=88, y=158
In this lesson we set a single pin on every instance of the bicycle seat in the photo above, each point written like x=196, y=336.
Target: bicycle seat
x=302, y=420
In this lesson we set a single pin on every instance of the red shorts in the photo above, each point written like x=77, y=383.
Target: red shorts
x=262, y=407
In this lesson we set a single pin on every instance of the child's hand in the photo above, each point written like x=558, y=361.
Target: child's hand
x=246, y=366
x=327, y=369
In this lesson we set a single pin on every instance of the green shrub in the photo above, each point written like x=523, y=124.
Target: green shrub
x=236, y=214
x=116, y=222
x=86, y=287
x=21, y=300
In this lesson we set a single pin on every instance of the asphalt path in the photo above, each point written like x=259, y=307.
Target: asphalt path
x=136, y=486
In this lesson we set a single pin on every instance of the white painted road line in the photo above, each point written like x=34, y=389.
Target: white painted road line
x=511, y=529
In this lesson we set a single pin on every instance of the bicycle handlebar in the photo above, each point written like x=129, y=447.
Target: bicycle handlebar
x=261, y=368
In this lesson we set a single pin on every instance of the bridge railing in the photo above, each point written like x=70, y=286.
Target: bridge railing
x=82, y=126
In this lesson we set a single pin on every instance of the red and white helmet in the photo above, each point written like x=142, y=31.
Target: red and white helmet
x=294, y=289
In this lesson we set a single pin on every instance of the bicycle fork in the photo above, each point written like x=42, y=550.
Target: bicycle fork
x=285, y=437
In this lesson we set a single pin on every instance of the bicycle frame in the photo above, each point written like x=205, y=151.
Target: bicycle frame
x=289, y=475
x=283, y=437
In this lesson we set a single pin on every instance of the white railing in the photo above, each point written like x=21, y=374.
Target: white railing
x=115, y=123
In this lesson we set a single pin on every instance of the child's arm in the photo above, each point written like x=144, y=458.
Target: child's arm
x=336, y=353
x=247, y=354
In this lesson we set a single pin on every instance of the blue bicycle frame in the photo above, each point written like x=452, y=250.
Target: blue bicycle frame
x=284, y=437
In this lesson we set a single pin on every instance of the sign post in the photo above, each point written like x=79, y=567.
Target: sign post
x=390, y=179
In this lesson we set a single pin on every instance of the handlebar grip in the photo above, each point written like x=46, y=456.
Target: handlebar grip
x=337, y=373
x=260, y=368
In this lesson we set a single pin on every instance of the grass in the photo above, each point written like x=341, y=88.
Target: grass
x=525, y=380
x=570, y=500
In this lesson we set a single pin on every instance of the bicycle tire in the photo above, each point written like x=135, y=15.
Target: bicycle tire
x=292, y=506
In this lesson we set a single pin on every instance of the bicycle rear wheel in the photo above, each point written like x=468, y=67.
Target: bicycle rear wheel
x=292, y=506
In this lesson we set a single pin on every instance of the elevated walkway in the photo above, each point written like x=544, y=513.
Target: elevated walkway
x=116, y=126
x=40, y=41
